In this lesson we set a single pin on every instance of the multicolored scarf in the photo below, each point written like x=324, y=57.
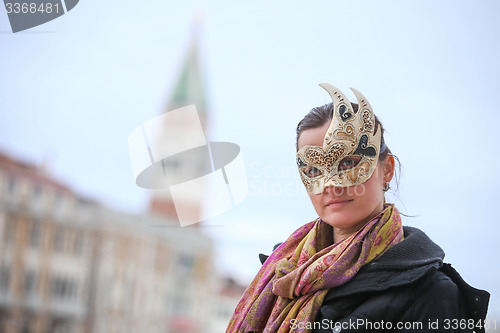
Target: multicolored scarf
x=295, y=279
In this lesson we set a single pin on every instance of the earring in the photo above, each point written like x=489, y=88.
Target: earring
x=386, y=187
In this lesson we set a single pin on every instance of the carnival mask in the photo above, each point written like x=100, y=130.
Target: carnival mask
x=350, y=149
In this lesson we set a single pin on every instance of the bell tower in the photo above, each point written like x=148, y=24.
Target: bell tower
x=188, y=89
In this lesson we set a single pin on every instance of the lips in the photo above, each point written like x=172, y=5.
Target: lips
x=337, y=203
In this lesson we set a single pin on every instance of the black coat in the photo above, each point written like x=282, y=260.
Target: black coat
x=407, y=289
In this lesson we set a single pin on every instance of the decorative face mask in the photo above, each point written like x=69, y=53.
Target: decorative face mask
x=350, y=149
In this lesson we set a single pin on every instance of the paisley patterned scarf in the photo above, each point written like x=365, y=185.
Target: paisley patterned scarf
x=295, y=279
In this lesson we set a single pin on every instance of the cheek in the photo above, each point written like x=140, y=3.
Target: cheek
x=376, y=181
x=315, y=199
x=317, y=202
x=371, y=190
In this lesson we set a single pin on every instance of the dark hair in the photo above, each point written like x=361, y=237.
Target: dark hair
x=318, y=116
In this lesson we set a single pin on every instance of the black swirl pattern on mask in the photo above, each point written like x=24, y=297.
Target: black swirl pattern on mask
x=345, y=114
x=363, y=148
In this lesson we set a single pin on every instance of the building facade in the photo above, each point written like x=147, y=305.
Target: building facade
x=71, y=265
x=46, y=239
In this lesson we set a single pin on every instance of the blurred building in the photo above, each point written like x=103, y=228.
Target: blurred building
x=71, y=265
x=229, y=293
x=47, y=240
x=151, y=279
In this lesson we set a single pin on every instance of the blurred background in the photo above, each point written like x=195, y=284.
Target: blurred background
x=84, y=249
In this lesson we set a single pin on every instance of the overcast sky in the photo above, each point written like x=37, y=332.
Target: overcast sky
x=73, y=89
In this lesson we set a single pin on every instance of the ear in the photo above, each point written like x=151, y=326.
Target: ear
x=388, y=167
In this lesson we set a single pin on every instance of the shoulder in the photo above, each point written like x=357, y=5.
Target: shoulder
x=437, y=281
x=418, y=303
x=444, y=299
x=476, y=300
x=435, y=296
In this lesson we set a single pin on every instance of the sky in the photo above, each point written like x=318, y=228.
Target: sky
x=73, y=89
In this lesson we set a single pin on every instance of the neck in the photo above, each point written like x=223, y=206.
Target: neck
x=341, y=234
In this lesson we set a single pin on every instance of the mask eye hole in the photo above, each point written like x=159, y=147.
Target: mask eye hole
x=349, y=162
x=312, y=172
x=300, y=163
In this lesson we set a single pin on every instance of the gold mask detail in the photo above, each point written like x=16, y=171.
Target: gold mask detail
x=350, y=149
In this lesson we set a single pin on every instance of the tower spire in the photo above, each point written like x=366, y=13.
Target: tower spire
x=188, y=89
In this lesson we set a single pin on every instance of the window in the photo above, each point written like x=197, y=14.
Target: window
x=58, y=287
x=78, y=244
x=59, y=239
x=9, y=229
x=35, y=232
x=11, y=185
x=4, y=277
x=63, y=288
x=162, y=261
x=185, y=261
x=37, y=193
x=30, y=283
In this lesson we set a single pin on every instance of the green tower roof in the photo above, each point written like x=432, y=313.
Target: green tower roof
x=189, y=88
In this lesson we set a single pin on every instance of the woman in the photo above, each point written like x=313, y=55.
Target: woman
x=355, y=268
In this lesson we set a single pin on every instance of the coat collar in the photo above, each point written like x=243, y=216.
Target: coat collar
x=402, y=264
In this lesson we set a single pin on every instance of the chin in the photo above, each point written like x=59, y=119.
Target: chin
x=341, y=221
